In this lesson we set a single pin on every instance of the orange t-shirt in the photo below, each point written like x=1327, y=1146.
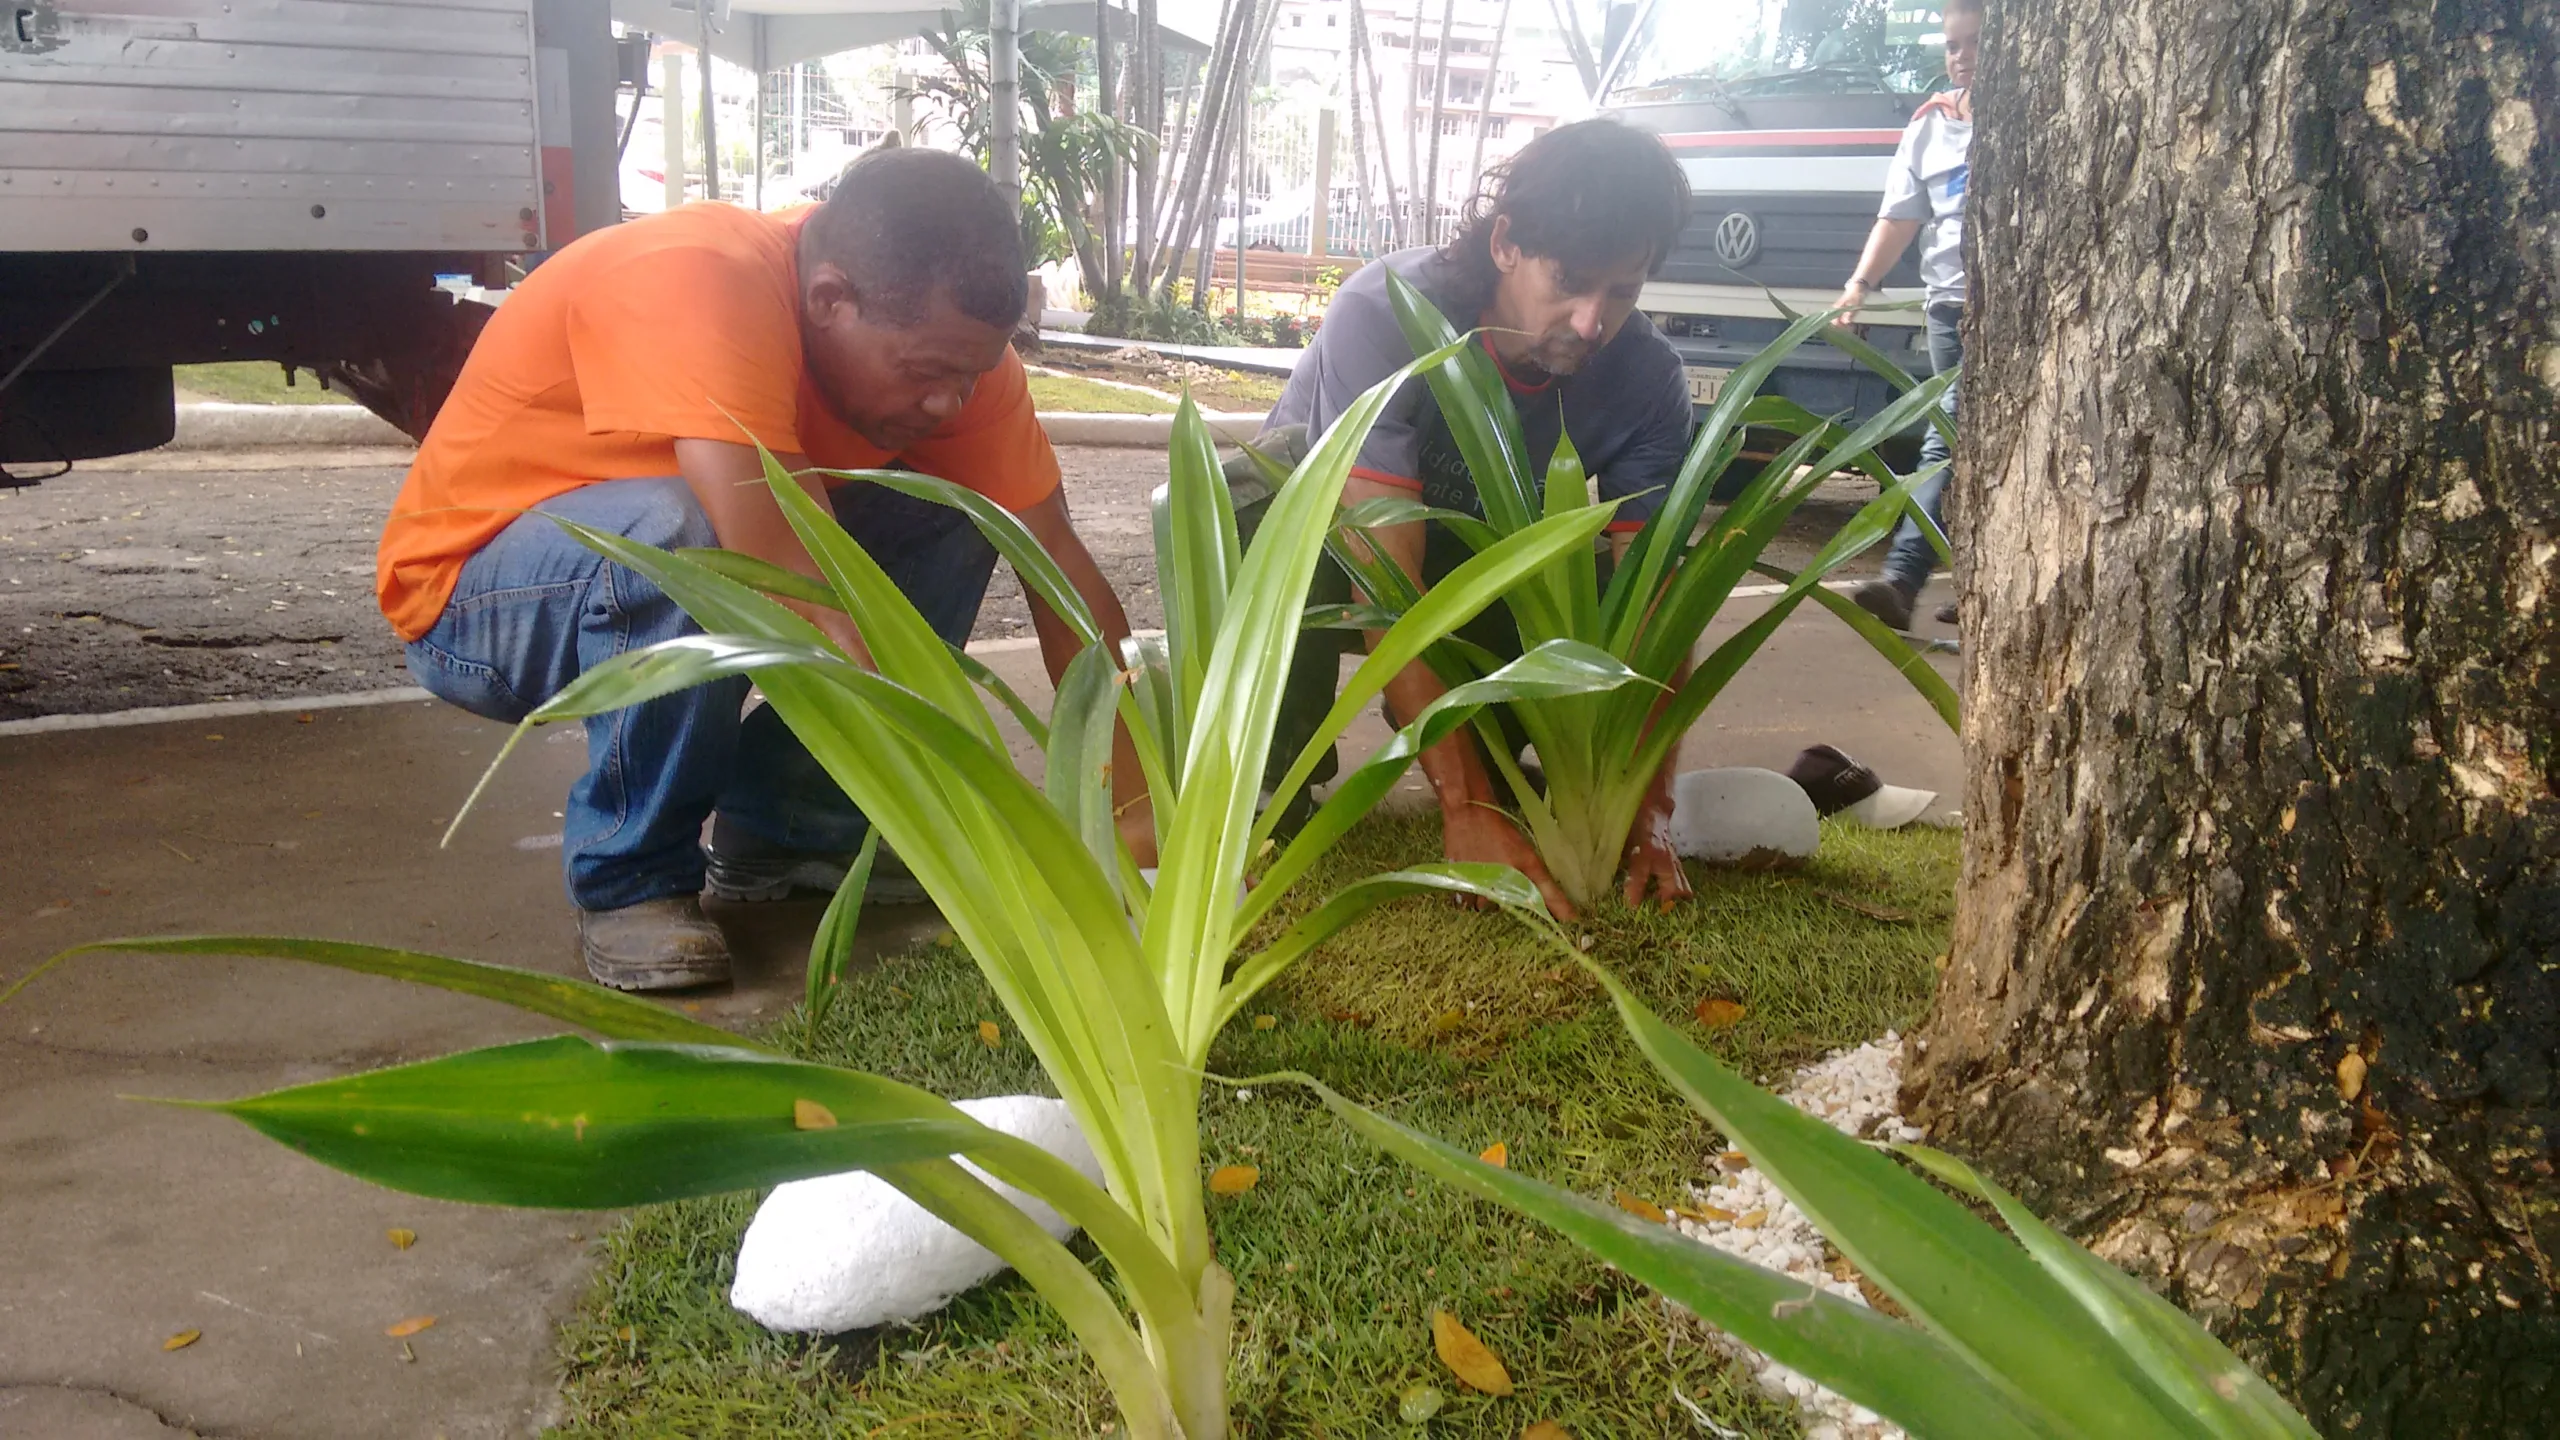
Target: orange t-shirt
x=681, y=325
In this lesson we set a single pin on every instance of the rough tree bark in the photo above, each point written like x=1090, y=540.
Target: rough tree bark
x=2256, y=975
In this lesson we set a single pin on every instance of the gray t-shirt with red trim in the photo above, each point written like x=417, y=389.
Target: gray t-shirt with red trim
x=1627, y=408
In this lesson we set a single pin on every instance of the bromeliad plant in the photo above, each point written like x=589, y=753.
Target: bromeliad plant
x=1601, y=751
x=1117, y=985
x=2003, y=1341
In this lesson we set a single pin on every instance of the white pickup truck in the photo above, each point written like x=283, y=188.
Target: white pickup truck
x=197, y=180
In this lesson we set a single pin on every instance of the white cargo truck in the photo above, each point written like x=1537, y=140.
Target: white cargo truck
x=1784, y=114
x=199, y=180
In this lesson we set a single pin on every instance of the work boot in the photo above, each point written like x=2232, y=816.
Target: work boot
x=665, y=944
x=1887, y=601
x=741, y=865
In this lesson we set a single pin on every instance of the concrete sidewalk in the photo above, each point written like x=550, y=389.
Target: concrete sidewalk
x=122, y=1224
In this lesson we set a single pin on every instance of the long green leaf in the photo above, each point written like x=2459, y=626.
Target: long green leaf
x=1968, y=1285
x=568, y=1124
x=2181, y=1356
x=1079, y=768
x=1197, y=553
x=1456, y=599
x=773, y=580
x=1031, y=562
x=1477, y=406
x=833, y=942
x=580, y=1003
x=1895, y=1369
x=1910, y=664
x=1556, y=668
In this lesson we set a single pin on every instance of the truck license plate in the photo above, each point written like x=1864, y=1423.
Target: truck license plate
x=1705, y=383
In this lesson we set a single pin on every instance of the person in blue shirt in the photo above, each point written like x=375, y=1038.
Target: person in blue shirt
x=1924, y=199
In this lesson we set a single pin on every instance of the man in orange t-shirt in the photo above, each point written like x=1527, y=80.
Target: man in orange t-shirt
x=619, y=386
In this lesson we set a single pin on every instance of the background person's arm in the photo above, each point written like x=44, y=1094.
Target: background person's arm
x=727, y=481
x=1885, y=244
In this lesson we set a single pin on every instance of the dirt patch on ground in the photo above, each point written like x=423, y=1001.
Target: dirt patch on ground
x=172, y=581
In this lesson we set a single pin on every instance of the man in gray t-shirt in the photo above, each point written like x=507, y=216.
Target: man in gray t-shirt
x=1924, y=198
x=1550, y=264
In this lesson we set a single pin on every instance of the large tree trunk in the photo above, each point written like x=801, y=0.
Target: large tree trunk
x=2256, y=975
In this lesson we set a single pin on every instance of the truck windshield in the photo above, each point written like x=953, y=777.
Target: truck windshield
x=1686, y=51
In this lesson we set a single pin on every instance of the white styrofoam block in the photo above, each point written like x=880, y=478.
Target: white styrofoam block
x=847, y=1252
x=1742, y=816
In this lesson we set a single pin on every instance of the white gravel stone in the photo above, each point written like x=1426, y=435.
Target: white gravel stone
x=1855, y=1090
x=847, y=1252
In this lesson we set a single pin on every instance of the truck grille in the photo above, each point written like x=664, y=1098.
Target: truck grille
x=1785, y=242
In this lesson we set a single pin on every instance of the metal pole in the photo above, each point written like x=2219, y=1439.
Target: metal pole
x=710, y=134
x=1320, y=217
x=671, y=123
x=1484, y=108
x=1004, y=126
x=756, y=150
x=1244, y=138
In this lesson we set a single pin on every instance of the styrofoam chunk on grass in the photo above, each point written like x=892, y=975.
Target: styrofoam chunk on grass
x=1742, y=816
x=847, y=1252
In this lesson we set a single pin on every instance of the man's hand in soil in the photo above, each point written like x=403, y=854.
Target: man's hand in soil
x=1474, y=831
x=1652, y=865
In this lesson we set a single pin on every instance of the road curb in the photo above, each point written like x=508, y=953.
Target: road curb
x=221, y=425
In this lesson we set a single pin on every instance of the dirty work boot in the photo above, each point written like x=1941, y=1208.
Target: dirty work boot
x=741, y=865
x=1887, y=601
x=664, y=944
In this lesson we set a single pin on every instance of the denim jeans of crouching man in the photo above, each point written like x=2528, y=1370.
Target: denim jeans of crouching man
x=534, y=609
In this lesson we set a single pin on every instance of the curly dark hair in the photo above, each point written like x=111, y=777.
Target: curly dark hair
x=906, y=223
x=1586, y=195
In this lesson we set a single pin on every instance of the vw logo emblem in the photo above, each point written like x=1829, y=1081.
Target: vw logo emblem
x=1737, y=239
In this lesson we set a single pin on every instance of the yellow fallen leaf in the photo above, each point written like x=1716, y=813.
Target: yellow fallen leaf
x=1466, y=1356
x=410, y=1326
x=624, y=1332
x=1715, y=1012
x=1750, y=1219
x=2351, y=1068
x=990, y=1035
x=1233, y=1179
x=810, y=1115
x=1702, y=1213
x=1497, y=1155
x=182, y=1340
x=402, y=1239
x=1546, y=1430
x=1734, y=1160
x=1447, y=1020
x=1640, y=1207
x=1265, y=1022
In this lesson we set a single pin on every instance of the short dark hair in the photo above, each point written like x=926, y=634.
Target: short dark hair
x=1585, y=195
x=908, y=223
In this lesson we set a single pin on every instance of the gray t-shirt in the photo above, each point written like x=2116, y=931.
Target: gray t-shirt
x=1927, y=184
x=1627, y=408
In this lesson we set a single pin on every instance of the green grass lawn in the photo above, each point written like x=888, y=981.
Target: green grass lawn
x=255, y=382
x=1453, y=1021
x=1071, y=395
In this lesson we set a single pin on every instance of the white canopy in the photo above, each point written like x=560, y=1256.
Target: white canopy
x=768, y=34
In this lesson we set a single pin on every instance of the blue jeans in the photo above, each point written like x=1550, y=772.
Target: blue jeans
x=1912, y=557
x=534, y=609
